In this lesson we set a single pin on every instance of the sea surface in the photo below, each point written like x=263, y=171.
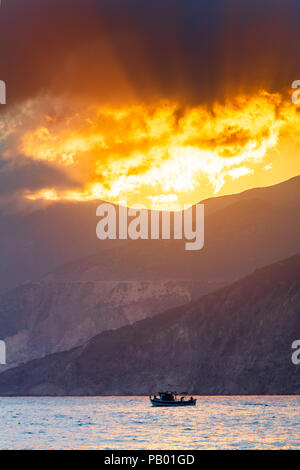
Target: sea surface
x=113, y=423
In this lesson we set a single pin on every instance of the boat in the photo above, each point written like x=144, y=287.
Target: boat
x=172, y=399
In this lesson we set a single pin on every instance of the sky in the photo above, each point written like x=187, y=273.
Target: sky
x=161, y=102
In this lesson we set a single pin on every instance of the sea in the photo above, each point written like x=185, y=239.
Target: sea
x=131, y=423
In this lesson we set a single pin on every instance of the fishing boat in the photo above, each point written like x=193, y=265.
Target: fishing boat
x=172, y=399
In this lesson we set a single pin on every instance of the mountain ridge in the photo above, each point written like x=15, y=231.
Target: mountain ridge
x=36, y=243
x=76, y=301
x=233, y=341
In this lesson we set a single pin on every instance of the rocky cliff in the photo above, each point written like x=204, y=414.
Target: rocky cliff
x=133, y=280
x=42, y=317
x=234, y=341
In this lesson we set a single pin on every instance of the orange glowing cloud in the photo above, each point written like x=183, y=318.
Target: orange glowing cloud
x=164, y=153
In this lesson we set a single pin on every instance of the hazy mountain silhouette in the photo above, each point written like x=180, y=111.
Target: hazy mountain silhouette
x=243, y=231
x=134, y=280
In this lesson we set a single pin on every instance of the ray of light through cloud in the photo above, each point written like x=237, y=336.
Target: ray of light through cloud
x=164, y=152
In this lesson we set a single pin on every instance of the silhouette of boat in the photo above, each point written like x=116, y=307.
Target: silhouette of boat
x=172, y=399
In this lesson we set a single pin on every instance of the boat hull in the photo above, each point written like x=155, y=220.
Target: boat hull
x=173, y=403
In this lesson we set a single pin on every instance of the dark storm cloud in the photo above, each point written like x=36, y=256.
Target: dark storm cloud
x=112, y=50
x=31, y=176
x=197, y=49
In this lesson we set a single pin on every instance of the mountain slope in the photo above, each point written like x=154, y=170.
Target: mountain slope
x=36, y=243
x=242, y=232
x=136, y=279
x=39, y=318
x=31, y=244
x=234, y=341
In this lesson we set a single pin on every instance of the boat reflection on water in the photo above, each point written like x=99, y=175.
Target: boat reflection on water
x=172, y=399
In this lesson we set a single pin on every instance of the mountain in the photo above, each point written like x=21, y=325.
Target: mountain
x=131, y=280
x=242, y=232
x=33, y=243
x=234, y=341
x=261, y=224
x=39, y=318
